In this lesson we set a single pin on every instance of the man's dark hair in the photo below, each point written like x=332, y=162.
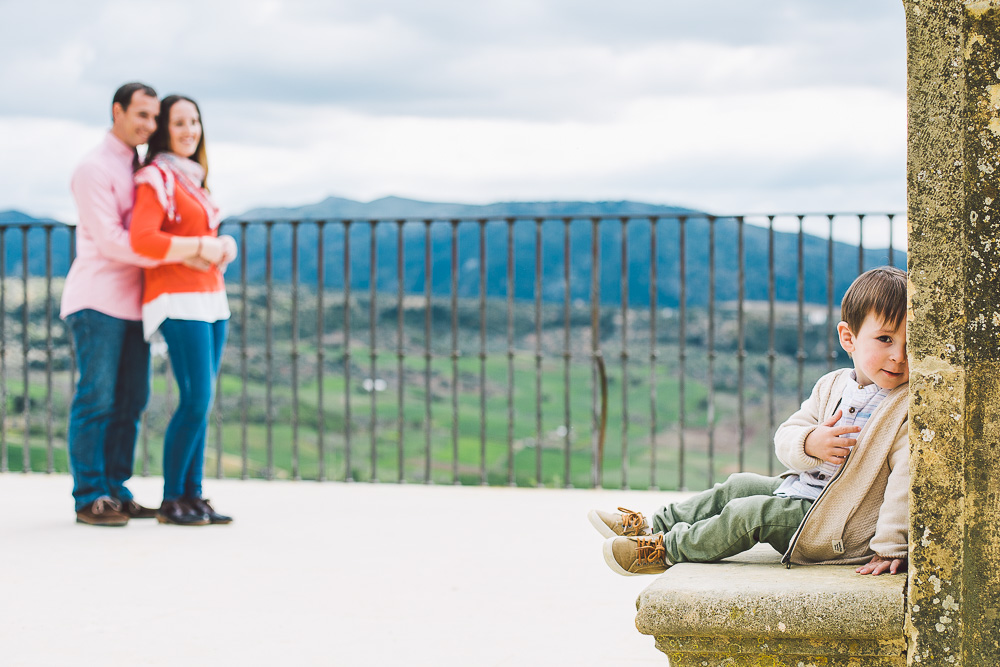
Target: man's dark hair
x=123, y=95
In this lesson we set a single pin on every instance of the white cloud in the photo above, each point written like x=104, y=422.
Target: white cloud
x=39, y=156
x=748, y=150
x=780, y=105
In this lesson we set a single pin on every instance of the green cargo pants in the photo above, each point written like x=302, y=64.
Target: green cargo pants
x=729, y=518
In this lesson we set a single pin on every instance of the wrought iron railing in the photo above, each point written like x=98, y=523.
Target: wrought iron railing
x=635, y=351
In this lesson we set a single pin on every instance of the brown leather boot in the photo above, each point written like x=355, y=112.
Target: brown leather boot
x=622, y=522
x=105, y=511
x=136, y=511
x=642, y=554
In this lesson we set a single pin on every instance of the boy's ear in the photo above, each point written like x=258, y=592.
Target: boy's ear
x=846, y=337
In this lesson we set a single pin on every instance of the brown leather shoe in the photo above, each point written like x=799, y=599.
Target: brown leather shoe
x=177, y=512
x=202, y=505
x=105, y=511
x=136, y=511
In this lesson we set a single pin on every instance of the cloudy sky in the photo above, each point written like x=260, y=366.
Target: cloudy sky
x=738, y=106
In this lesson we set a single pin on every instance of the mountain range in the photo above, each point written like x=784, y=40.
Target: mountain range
x=396, y=208
x=417, y=222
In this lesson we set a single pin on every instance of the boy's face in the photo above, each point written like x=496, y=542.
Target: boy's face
x=878, y=351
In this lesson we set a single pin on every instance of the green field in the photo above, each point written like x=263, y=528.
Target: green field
x=452, y=418
x=468, y=428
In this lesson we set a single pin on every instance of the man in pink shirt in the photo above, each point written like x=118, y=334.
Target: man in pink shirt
x=101, y=304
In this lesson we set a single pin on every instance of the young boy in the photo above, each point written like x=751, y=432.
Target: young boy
x=844, y=499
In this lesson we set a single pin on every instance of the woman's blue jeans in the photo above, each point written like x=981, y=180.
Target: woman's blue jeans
x=195, y=350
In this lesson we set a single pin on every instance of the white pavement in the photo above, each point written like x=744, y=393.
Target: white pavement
x=319, y=574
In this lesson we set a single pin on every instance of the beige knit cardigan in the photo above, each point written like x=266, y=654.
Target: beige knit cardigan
x=864, y=510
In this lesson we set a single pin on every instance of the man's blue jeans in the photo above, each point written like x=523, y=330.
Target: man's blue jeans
x=195, y=350
x=111, y=393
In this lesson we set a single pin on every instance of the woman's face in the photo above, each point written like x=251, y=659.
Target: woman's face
x=185, y=128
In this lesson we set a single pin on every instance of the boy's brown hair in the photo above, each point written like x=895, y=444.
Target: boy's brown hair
x=880, y=291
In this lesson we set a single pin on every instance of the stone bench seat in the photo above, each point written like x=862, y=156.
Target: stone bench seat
x=752, y=610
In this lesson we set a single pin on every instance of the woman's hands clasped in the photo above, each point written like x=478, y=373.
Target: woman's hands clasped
x=215, y=251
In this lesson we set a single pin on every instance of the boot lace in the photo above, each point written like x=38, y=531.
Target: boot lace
x=631, y=521
x=202, y=505
x=104, y=503
x=651, y=550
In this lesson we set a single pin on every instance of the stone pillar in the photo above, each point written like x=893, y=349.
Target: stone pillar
x=953, y=168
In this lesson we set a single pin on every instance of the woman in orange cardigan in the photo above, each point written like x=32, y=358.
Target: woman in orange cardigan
x=175, y=219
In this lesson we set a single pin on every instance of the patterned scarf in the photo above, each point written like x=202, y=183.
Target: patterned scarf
x=165, y=172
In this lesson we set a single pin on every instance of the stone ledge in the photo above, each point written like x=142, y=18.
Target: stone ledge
x=750, y=607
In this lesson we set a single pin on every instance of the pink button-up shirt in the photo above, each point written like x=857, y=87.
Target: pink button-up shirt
x=106, y=275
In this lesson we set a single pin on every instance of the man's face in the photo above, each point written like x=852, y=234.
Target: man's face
x=878, y=351
x=135, y=124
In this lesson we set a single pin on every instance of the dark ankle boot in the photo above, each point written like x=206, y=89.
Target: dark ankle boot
x=202, y=505
x=176, y=512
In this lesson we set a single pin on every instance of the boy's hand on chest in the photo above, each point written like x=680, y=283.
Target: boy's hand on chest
x=826, y=443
